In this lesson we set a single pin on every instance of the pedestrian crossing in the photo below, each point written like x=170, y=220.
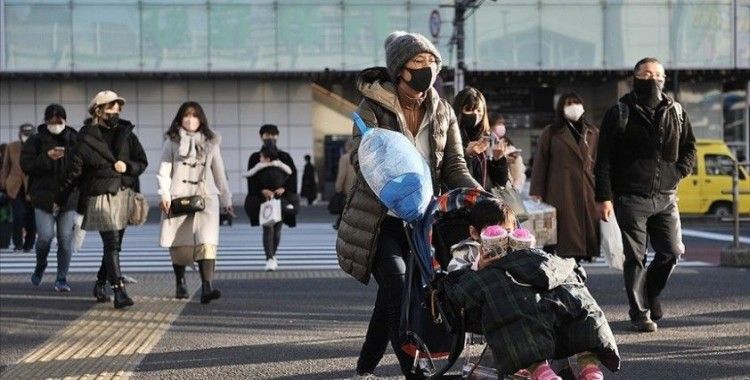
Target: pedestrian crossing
x=309, y=246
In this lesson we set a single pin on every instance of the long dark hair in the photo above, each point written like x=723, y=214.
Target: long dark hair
x=471, y=98
x=560, y=120
x=174, y=129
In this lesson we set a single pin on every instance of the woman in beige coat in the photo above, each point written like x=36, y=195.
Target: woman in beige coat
x=191, y=164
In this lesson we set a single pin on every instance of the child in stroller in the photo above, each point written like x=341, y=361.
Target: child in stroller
x=530, y=306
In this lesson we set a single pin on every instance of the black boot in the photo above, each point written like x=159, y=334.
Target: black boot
x=100, y=291
x=121, y=296
x=208, y=293
x=181, y=285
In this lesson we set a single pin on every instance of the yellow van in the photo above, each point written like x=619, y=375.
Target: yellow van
x=701, y=192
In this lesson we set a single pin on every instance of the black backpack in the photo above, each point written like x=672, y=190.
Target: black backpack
x=623, y=111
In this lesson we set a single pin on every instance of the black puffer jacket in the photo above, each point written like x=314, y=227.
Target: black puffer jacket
x=92, y=168
x=649, y=157
x=44, y=173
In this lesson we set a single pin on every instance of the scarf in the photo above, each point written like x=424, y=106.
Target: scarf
x=192, y=145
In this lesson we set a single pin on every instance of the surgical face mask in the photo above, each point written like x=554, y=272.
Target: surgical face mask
x=573, y=112
x=191, y=124
x=24, y=138
x=421, y=79
x=55, y=129
x=648, y=91
x=499, y=130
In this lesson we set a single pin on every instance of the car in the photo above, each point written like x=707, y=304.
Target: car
x=702, y=192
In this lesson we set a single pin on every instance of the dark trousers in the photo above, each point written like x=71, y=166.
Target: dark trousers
x=389, y=271
x=109, y=270
x=271, y=239
x=655, y=220
x=23, y=219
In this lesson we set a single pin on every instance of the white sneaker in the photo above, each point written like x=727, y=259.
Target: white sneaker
x=271, y=265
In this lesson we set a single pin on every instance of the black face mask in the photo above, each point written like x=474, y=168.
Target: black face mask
x=421, y=79
x=469, y=124
x=271, y=143
x=648, y=92
x=112, y=120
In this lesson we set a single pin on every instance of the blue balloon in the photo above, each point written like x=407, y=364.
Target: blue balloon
x=394, y=170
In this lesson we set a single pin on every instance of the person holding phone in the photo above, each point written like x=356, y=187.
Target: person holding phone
x=44, y=158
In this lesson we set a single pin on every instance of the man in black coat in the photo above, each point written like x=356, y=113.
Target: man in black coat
x=646, y=147
x=256, y=195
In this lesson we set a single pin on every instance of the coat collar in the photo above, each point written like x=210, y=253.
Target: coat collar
x=92, y=136
x=581, y=148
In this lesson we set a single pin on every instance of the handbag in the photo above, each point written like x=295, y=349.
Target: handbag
x=510, y=196
x=186, y=205
x=138, y=210
x=270, y=212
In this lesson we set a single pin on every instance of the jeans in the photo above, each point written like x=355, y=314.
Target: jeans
x=23, y=219
x=45, y=226
x=271, y=239
x=643, y=219
x=389, y=271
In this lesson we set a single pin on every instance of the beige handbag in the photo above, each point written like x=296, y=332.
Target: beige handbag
x=138, y=210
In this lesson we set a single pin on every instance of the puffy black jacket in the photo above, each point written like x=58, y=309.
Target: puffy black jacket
x=44, y=173
x=271, y=179
x=92, y=167
x=650, y=156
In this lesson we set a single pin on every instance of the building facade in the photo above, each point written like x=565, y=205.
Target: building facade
x=293, y=63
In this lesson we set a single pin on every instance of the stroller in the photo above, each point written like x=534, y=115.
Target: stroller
x=430, y=328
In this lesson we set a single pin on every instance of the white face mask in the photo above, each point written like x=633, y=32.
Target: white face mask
x=573, y=112
x=24, y=138
x=190, y=124
x=55, y=129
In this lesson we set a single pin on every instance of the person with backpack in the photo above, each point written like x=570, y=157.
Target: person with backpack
x=646, y=147
x=45, y=158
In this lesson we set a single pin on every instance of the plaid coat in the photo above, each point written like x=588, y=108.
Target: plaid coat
x=533, y=306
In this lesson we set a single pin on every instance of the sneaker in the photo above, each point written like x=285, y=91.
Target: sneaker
x=544, y=372
x=36, y=279
x=270, y=265
x=62, y=286
x=591, y=372
x=643, y=325
x=275, y=264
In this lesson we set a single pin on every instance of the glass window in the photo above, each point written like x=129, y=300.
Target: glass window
x=572, y=36
x=106, y=37
x=719, y=164
x=174, y=37
x=309, y=37
x=243, y=37
x=743, y=34
x=365, y=30
x=37, y=37
x=703, y=103
x=505, y=37
x=702, y=35
x=634, y=31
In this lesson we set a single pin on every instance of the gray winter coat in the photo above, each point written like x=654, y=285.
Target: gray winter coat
x=360, y=223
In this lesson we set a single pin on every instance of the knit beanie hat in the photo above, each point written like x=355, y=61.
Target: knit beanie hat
x=400, y=47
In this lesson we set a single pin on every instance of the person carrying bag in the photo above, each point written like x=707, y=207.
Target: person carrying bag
x=193, y=186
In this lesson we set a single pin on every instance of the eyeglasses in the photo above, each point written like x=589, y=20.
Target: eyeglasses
x=650, y=75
